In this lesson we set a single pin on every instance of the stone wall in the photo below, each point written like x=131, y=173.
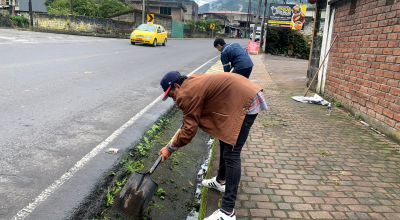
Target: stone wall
x=193, y=33
x=81, y=25
x=308, y=27
x=5, y=21
x=135, y=16
x=120, y=26
x=364, y=64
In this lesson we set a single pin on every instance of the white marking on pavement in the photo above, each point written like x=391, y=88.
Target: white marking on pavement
x=22, y=214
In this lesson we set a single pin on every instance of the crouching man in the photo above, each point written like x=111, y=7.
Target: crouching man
x=225, y=106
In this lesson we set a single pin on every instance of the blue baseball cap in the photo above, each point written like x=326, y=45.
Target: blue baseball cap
x=167, y=81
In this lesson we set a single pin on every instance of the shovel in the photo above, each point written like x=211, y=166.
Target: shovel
x=138, y=192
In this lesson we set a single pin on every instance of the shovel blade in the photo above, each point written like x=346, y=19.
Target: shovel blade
x=136, y=195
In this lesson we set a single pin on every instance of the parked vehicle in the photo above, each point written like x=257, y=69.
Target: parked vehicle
x=149, y=34
x=257, y=37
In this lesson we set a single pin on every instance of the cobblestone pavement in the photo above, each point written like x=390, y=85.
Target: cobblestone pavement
x=299, y=163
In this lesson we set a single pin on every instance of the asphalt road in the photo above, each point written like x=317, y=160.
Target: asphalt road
x=64, y=97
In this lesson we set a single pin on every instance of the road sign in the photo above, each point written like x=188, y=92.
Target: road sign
x=150, y=18
x=212, y=26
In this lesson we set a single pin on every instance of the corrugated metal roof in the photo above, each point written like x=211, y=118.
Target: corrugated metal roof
x=224, y=12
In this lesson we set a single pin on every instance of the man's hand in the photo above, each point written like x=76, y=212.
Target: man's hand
x=165, y=153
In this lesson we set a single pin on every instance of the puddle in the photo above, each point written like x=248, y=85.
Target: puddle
x=194, y=214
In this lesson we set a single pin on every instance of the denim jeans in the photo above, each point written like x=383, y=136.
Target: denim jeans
x=244, y=72
x=230, y=164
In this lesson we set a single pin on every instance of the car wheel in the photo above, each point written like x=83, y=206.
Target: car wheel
x=133, y=43
x=165, y=41
x=155, y=42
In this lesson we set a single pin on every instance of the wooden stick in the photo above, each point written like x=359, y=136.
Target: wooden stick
x=321, y=64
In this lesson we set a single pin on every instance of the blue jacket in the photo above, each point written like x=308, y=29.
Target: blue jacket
x=236, y=55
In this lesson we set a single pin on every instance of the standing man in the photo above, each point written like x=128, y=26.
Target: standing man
x=204, y=100
x=236, y=55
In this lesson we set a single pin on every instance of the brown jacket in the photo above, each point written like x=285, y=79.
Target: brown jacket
x=217, y=103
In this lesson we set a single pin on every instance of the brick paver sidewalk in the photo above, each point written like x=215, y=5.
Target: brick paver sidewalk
x=300, y=163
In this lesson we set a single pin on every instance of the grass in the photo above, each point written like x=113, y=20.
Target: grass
x=270, y=123
x=337, y=104
x=131, y=165
x=336, y=182
x=325, y=153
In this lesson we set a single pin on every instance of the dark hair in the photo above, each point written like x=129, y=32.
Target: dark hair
x=179, y=81
x=219, y=41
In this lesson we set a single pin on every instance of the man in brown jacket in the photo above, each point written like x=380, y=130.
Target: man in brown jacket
x=224, y=105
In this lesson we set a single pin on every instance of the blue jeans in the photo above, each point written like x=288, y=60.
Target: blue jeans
x=230, y=164
x=244, y=72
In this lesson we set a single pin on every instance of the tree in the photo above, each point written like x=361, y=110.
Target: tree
x=110, y=7
x=84, y=7
x=80, y=7
x=58, y=7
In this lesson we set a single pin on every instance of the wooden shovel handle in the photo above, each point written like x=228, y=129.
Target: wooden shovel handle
x=155, y=164
x=160, y=157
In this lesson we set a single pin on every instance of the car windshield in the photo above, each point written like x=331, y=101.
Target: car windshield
x=146, y=27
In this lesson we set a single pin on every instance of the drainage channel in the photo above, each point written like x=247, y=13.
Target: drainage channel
x=179, y=177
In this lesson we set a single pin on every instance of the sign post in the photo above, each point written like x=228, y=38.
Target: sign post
x=212, y=27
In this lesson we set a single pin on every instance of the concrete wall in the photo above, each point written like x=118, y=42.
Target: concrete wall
x=192, y=9
x=81, y=25
x=364, y=64
x=120, y=26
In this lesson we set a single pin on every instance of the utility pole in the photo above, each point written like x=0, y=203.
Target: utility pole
x=256, y=22
x=248, y=17
x=262, y=27
x=70, y=7
x=30, y=14
x=143, y=10
x=148, y=7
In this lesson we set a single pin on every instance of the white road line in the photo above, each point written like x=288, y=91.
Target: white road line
x=22, y=214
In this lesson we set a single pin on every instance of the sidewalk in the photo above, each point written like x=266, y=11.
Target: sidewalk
x=299, y=163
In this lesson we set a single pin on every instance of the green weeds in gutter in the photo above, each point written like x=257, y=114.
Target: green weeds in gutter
x=204, y=190
x=133, y=162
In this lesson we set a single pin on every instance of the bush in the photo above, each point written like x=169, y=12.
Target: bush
x=204, y=25
x=20, y=21
x=1, y=15
x=111, y=7
x=288, y=39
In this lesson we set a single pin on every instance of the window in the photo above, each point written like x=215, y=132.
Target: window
x=7, y=2
x=165, y=10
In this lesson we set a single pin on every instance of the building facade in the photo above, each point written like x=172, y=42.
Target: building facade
x=175, y=9
x=363, y=70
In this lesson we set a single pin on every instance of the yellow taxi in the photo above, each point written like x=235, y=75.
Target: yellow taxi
x=149, y=34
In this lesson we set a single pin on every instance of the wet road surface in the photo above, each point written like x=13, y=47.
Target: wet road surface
x=63, y=100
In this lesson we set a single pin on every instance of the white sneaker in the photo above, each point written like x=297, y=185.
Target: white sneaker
x=214, y=184
x=219, y=215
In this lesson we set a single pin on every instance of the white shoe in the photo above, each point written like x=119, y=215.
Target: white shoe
x=214, y=184
x=219, y=215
